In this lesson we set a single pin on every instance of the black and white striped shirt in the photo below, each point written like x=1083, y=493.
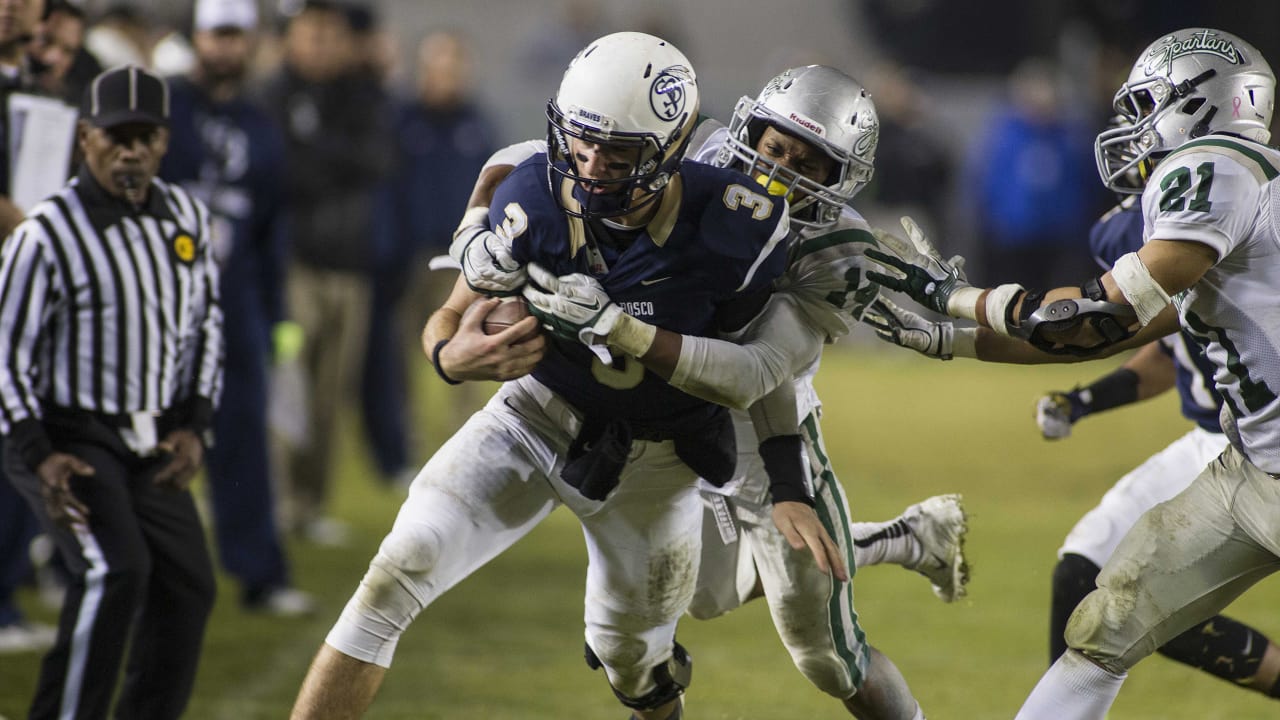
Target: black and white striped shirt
x=107, y=308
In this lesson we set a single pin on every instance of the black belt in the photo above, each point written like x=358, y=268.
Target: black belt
x=167, y=420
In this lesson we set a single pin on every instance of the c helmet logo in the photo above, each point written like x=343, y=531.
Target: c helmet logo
x=184, y=247
x=667, y=94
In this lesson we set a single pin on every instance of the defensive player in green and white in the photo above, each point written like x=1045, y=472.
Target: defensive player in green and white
x=811, y=136
x=1198, y=105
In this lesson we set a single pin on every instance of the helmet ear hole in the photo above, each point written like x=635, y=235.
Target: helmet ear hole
x=1191, y=106
x=1202, y=128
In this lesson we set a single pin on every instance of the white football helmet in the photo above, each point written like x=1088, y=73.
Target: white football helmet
x=828, y=110
x=1185, y=85
x=627, y=90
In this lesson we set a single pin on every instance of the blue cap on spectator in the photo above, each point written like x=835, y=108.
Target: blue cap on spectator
x=126, y=94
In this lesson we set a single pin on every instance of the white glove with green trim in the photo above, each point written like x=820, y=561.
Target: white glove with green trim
x=907, y=329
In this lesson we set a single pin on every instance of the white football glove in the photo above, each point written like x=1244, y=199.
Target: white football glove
x=578, y=308
x=575, y=307
x=1053, y=415
x=485, y=257
x=907, y=329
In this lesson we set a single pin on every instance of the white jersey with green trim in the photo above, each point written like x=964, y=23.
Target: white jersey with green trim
x=1221, y=190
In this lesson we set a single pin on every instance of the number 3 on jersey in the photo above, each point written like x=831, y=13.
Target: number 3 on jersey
x=736, y=196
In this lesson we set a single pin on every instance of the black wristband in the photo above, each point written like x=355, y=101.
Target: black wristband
x=435, y=363
x=1031, y=302
x=783, y=463
x=1110, y=391
x=1092, y=289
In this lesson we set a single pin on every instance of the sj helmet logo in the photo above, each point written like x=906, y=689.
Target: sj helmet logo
x=184, y=247
x=668, y=95
x=1160, y=58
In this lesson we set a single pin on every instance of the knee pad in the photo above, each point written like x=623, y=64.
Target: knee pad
x=1221, y=647
x=1074, y=577
x=377, y=615
x=670, y=678
x=1090, y=627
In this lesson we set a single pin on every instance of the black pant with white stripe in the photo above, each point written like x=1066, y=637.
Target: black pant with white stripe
x=141, y=578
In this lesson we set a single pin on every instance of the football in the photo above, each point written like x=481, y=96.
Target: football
x=509, y=312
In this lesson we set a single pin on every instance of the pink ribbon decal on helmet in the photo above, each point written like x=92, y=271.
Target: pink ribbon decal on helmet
x=1235, y=106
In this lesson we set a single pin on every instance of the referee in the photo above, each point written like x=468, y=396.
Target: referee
x=110, y=364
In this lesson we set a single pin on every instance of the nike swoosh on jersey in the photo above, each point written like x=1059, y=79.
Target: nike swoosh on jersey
x=655, y=281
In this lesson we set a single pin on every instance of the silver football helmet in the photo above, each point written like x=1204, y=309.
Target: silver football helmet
x=826, y=109
x=1185, y=85
x=631, y=91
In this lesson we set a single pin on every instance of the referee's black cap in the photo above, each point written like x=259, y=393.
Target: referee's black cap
x=126, y=94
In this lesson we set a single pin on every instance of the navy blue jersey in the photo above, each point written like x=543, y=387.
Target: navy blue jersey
x=715, y=239
x=1120, y=232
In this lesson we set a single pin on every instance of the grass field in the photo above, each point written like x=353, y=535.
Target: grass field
x=506, y=644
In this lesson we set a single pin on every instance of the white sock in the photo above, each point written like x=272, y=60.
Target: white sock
x=885, y=542
x=1073, y=689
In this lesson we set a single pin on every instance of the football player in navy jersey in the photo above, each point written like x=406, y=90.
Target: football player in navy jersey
x=697, y=249
x=809, y=137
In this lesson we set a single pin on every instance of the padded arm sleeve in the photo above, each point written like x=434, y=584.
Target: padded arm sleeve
x=770, y=351
x=515, y=154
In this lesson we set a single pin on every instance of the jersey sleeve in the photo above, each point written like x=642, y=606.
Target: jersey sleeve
x=773, y=348
x=1116, y=233
x=707, y=141
x=744, y=231
x=208, y=367
x=29, y=276
x=516, y=154
x=1197, y=194
x=521, y=210
x=827, y=277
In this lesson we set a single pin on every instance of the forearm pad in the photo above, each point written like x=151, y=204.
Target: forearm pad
x=773, y=349
x=784, y=464
x=726, y=373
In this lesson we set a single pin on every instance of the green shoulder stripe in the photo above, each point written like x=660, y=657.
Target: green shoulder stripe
x=839, y=237
x=1269, y=171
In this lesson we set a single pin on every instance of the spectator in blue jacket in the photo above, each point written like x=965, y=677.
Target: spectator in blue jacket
x=1035, y=185
x=228, y=152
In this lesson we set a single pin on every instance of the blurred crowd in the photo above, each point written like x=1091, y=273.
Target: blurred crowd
x=330, y=191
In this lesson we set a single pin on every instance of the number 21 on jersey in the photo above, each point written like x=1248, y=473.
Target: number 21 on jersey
x=1175, y=185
